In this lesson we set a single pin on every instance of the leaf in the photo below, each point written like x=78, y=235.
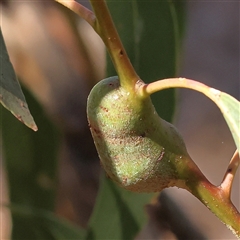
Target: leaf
x=31, y=162
x=118, y=214
x=230, y=108
x=39, y=224
x=11, y=95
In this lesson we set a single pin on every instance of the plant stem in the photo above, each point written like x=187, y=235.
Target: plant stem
x=221, y=99
x=104, y=26
x=80, y=10
x=148, y=89
x=214, y=198
x=227, y=182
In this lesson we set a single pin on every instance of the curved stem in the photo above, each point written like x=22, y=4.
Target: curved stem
x=148, y=89
x=107, y=31
x=221, y=99
x=80, y=10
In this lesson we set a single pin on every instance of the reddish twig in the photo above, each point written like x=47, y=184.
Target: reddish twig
x=227, y=181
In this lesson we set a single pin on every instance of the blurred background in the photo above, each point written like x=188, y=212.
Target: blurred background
x=60, y=67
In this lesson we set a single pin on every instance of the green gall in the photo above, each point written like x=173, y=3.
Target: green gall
x=137, y=148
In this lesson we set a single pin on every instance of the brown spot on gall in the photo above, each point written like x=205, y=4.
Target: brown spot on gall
x=161, y=156
x=104, y=109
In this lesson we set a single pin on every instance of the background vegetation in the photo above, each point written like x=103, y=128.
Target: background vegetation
x=33, y=166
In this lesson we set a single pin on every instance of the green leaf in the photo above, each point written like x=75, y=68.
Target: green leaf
x=118, y=214
x=230, y=108
x=30, y=161
x=11, y=95
x=40, y=224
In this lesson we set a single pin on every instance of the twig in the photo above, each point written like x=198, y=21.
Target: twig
x=210, y=195
x=80, y=10
x=227, y=181
x=103, y=24
x=221, y=99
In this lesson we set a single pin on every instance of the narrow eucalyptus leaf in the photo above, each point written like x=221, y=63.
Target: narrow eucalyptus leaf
x=11, y=95
x=230, y=108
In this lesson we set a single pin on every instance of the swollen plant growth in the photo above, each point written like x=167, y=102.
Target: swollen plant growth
x=139, y=150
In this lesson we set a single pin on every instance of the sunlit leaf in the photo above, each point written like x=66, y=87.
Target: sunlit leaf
x=230, y=108
x=11, y=95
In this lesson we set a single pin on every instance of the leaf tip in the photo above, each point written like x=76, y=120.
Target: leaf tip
x=34, y=128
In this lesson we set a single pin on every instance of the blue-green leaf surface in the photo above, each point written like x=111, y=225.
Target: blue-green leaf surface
x=230, y=108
